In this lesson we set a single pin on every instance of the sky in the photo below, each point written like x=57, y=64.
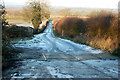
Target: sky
x=113, y=4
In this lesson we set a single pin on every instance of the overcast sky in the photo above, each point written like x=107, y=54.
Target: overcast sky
x=70, y=3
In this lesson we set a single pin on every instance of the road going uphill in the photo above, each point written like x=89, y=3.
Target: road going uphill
x=47, y=56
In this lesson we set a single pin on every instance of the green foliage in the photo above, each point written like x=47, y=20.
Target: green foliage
x=35, y=12
x=7, y=50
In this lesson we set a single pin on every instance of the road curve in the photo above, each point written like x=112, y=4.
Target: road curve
x=58, y=45
x=46, y=56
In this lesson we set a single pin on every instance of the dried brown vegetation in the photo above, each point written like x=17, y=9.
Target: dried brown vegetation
x=100, y=30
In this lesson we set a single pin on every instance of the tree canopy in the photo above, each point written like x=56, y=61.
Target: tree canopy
x=35, y=11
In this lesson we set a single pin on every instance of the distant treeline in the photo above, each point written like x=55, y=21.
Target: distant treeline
x=17, y=14
x=100, y=30
x=14, y=14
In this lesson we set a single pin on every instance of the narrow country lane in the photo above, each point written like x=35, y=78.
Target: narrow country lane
x=46, y=56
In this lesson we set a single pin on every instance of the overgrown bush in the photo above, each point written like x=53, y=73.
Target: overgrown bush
x=69, y=26
x=11, y=31
x=103, y=28
x=14, y=31
x=79, y=27
x=7, y=49
x=35, y=12
x=100, y=24
x=100, y=30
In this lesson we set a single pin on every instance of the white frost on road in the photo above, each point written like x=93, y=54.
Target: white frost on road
x=56, y=74
x=109, y=67
x=51, y=44
x=68, y=69
x=59, y=59
x=84, y=47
